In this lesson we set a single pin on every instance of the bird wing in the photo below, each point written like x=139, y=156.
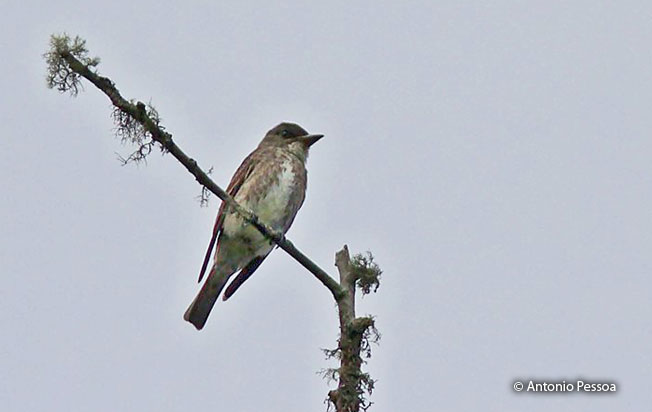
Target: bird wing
x=244, y=274
x=238, y=178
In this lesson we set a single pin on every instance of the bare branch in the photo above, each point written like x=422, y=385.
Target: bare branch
x=346, y=304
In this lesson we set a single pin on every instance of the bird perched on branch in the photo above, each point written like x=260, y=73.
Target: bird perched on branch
x=271, y=182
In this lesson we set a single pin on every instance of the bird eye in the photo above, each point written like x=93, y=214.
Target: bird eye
x=285, y=133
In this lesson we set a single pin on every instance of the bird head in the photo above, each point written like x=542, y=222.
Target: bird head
x=292, y=137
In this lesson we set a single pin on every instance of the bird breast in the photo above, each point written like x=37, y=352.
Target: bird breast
x=273, y=206
x=274, y=195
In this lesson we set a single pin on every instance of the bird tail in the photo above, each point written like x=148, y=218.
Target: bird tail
x=198, y=311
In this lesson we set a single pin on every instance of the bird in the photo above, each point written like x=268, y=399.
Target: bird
x=271, y=182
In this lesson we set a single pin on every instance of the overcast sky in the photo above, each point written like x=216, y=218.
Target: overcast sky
x=494, y=156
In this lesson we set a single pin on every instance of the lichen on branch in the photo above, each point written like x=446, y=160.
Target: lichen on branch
x=356, y=335
x=59, y=74
x=354, y=347
x=131, y=131
x=68, y=61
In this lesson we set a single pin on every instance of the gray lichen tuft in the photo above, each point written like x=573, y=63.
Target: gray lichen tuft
x=130, y=131
x=367, y=272
x=370, y=335
x=59, y=74
x=205, y=195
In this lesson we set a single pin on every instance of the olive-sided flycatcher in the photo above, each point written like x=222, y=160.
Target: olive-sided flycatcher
x=271, y=182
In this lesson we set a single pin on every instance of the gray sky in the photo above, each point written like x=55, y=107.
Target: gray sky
x=495, y=157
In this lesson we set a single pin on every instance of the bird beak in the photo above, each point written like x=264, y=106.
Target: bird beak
x=311, y=139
